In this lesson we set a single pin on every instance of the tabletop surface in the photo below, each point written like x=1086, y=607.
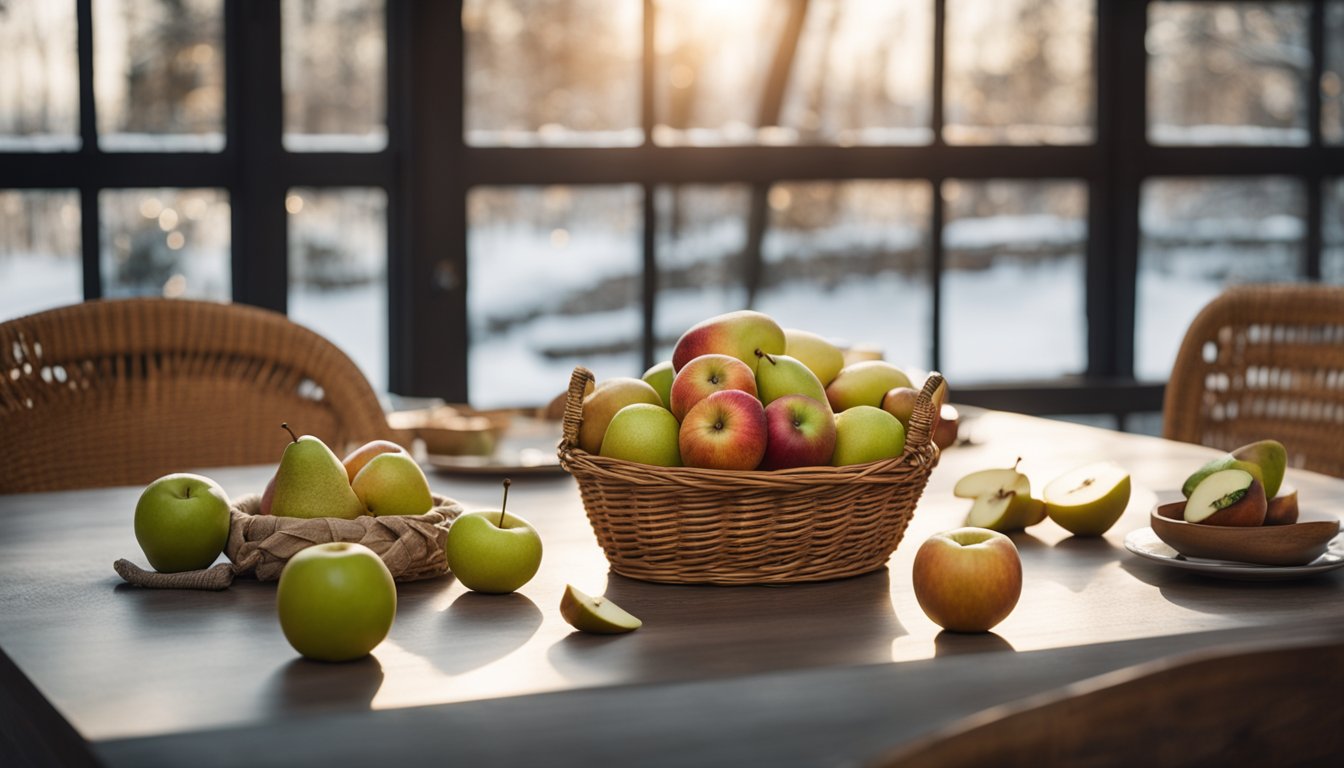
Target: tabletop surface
x=820, y=674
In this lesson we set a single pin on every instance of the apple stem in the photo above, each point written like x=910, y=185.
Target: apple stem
x=504, y=504
x=1015, y=463
x=285, y=426
x=767, y=356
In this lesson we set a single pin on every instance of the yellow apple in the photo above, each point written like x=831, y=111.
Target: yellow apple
x=1088, y=500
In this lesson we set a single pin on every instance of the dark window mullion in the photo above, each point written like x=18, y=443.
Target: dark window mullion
x=90, y=218
x=1315, y=180
x=936, y=188
x=1127, y=29
x=648, y=117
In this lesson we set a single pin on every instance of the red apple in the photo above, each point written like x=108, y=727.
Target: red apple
x=705, y=375
x=967, y=579
x=945, y=427
x=268, y=496
x=726, y=430
x=741, y=334
x=800, y=433
x=362, y=455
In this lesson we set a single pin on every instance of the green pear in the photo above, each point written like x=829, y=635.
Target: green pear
x=660, y=378
x=643, y=433
x=740, y=334
x=864, y=383
x=393, y=484
x=821, y=356
x=604, y=401
x=780, y=375
x=1271, y=457
x=312, y=482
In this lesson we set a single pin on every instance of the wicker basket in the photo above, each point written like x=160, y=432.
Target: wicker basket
x=704, y=526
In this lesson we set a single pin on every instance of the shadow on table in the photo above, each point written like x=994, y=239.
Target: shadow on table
x=489, y=627
x=947, y=643
x=1075, y=561
x=1220, y=597
x=304, y=686
x=707, y=631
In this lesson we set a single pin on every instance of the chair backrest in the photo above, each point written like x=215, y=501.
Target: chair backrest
x=118, y=392
x=1264, y=361
x=1255, y=707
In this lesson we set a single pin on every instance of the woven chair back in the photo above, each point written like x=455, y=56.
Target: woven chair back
x=119, y=392
x=1264, y=361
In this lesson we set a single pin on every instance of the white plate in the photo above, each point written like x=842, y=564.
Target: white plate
x=1144, y=543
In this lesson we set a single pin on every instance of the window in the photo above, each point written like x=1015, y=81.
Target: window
x=471, y=197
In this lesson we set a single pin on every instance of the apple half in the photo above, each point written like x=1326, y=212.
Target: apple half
x=1002, y=500
x=1228, y=497
x=1282, y=509
x=1088, y=500
x=595, y=614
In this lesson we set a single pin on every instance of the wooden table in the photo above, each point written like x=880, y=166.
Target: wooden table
x=824, y=674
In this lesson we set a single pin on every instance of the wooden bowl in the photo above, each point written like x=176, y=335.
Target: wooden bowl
x=1295, y=544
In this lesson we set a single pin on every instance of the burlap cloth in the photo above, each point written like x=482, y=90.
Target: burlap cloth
x=260, y=545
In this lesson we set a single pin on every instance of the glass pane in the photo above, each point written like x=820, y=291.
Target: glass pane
x=861, y=72
x=335, y=75
x=159, y=74
x=338, y=271
x=166, y=242
x=1200, y=235
x=40, y=265
x=1228, y=73
x=1019, y=71
x=702, y=231
x=548, y=73
x=1332, y=258
x=554, y=282
x=1332, y=78
x=39, y=92
x=1014, y=285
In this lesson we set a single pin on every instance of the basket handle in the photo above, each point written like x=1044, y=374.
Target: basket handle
x=925, y=413
x=578, y=382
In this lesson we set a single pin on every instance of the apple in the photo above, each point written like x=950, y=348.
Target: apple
x=822, y=357
x=1088, y=500
x=780, y=375
x=393, y=484
x=864, y=383
x=945, y=427
x=182, y=522
x=494, y=552
x=605, y=400
x=900, y=402
x=968, y=579
x=1226, y=461
x=643, y=433
x=268, y=497
x=336, y=601
x=739, y=334
x=726, y=430
x=1228, y=497
x=800, y=432
x=660, y=378
x=356, y=459
x=1282, y=509
x=1002, y=499
x=866, y=433
x=1272, y=459
x=595, y=614
x=705, y=375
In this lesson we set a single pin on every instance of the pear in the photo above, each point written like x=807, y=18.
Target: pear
x=780, y=375
x=864, y=383
x=740, y=334
x=605, y=400
x=393, y=484
x=1224, y=462
x=821, y=356
x=312, y=482
x=1229, y=497
x=595, y=614
x=1272, y=459
x=1003, y=500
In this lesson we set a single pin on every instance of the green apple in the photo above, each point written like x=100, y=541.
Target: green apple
x=643, y=433
x=393, y=484
x=312, y=482
x=1229, y=497
x=1226, y=461
x=740, y=334
x=821, y=356
x=605, y=400
x=703, y=376
x=1002, y=500
x=356, y=459
x=182, y=522
x=866, y=433
x=660, y=378
x=726, y=430
x=595, y=614
x=864, y=383
x=968, y=579
x=494, y=551
x=1272, y=459
x=780, y=375
x=336, y=601
x=1088, y=500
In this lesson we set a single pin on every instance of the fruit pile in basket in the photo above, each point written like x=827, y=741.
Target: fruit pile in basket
x=742, y=393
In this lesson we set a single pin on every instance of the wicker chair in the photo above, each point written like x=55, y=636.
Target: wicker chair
x=119, y=392
x=1264, y=361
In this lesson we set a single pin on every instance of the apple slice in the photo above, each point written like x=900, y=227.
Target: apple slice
x=1282, y=509
x=1228, y=497
x=595, y=614
x=1002, y=499
x=1088, y=500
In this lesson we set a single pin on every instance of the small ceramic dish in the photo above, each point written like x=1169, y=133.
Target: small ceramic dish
x=1294, y=544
